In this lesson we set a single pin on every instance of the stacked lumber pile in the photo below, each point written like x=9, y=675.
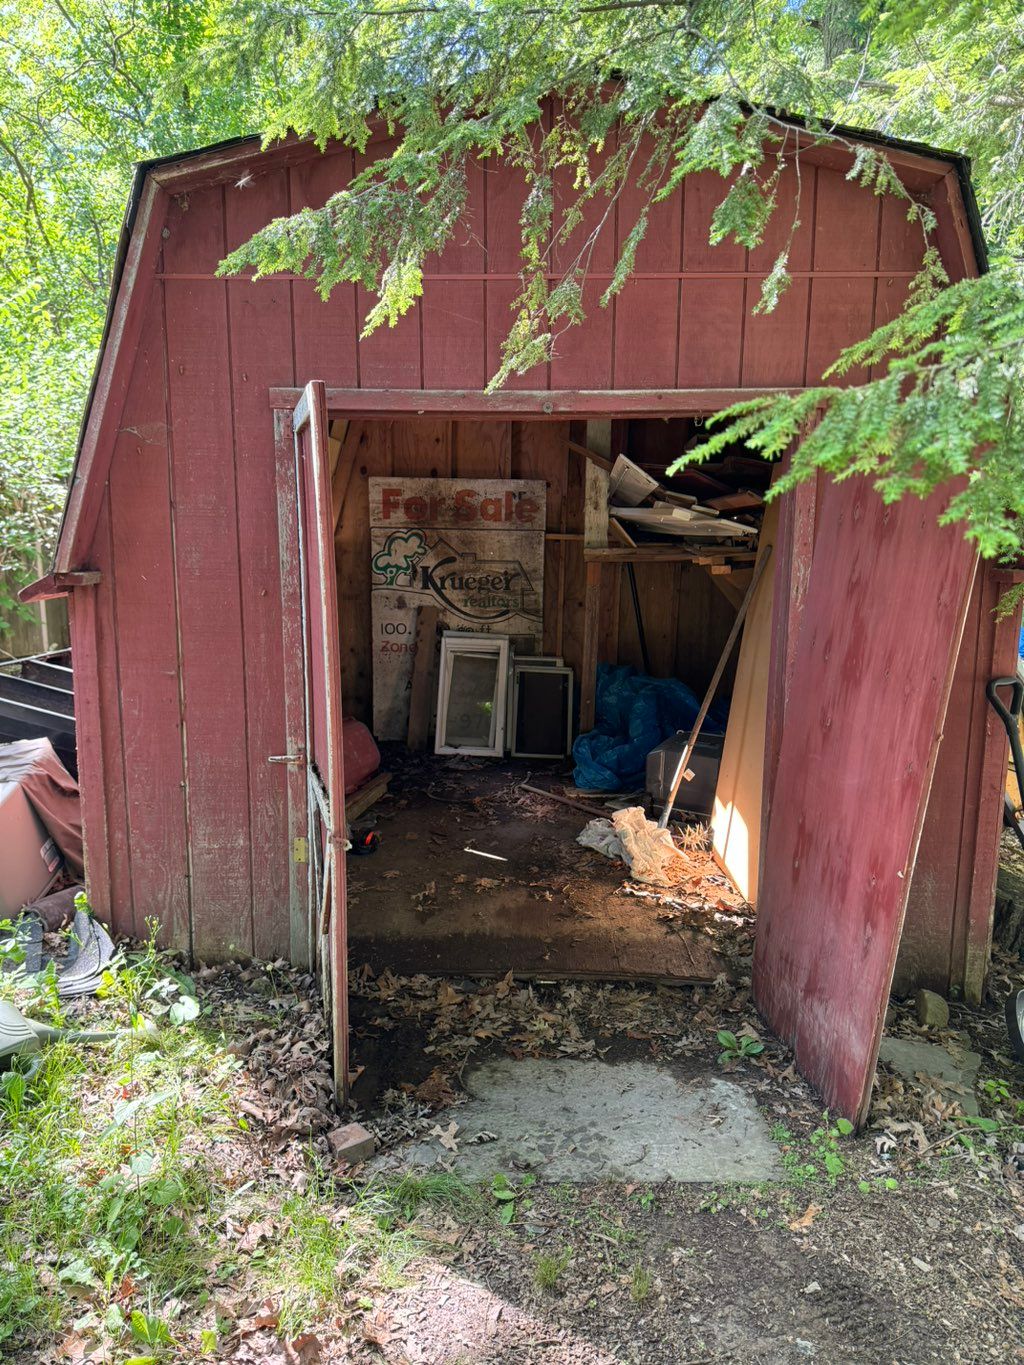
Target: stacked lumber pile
x=642, y=511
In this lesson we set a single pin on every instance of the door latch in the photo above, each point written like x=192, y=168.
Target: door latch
x=300, y=757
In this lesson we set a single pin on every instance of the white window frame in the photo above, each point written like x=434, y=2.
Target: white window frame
x=453, y=644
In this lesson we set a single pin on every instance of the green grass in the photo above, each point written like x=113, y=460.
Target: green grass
x=103, y=1161
x=330, y=1242
x=116, y=1196
x=641, y=1282
x=548, y=1270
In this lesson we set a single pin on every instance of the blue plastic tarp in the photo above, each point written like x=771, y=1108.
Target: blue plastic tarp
x=633, y=714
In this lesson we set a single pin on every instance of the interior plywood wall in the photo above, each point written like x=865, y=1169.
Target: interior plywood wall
x=686, y=616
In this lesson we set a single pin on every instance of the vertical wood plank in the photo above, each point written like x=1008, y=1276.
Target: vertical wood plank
x=482, y=450
x=573, y=570
x=352, y=556
x=260, y=339
x=775, y=344
x=111, y=734
x=325, y=332
x=539, y=452
x=647, y=335
x=454, y=335
x=840, y=309
x=301, y=947
x=710, y=333
x=591, y=636
x=422, y=447
x=702, y=193
x=846, y=223
x=84, y=631
x=143, y=564
x=209, y=570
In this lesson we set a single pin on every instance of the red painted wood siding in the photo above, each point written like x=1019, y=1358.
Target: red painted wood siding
x=871, y=677
x=948, y=927
x=191, y=647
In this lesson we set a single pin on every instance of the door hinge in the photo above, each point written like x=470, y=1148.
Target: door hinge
x=300, y=851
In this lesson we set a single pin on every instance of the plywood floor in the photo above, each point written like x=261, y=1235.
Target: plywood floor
x=552, y=910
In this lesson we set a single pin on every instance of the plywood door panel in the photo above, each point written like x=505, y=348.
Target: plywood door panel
x=301, y=947
x=881, y=626
x=147, y=633
x=947, y=934
x=736, y=819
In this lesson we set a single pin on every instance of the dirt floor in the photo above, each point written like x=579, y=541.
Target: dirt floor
x=474, y=874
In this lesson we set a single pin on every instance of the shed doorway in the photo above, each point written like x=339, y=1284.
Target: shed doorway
x=472, y=873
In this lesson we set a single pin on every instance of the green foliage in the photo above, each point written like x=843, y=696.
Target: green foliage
x=87, y=88
x=103, y=1183
x=735, y=1047
x=819, y=1158
x=511, y=1198
x=646, y=93
x=943, y=402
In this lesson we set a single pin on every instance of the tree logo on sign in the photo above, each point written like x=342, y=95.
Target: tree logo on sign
x=398, y=557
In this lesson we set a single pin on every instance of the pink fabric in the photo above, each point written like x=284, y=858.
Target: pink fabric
x=51, y=791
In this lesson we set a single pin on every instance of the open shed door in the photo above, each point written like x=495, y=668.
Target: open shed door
x=872, y=670
x=322, y=672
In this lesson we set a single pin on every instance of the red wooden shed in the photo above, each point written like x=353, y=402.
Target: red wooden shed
x=202, y=574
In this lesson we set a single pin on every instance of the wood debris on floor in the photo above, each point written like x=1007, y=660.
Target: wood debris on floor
x=479, y=870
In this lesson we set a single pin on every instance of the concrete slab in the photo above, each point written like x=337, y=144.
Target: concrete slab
x=957, y=1076
x=569, y=1120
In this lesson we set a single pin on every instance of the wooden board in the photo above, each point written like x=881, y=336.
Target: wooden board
x=324, y=750
x=424, y=682
x=148, y=657
x=736, y=818
x=872, y=669
x=474, y=548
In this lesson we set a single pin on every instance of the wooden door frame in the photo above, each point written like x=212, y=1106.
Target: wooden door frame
x=294, y=522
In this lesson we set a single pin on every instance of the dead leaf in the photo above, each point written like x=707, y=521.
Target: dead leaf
x=305, y=1349
x=254, y=1234
x=446, y=1136
x=805, y=1220
x=376, y=1330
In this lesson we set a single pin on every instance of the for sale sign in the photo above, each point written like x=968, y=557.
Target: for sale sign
x=473, y=548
